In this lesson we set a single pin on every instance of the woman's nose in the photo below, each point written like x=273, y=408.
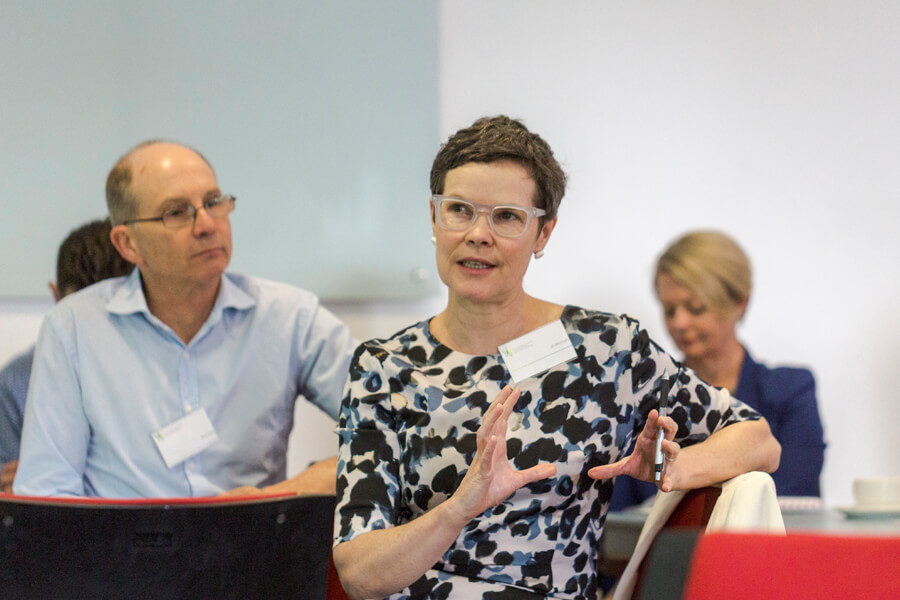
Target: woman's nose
x=680, y=318
x=480, y=230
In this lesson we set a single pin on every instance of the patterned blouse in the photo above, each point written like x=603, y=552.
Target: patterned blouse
x=407, y=428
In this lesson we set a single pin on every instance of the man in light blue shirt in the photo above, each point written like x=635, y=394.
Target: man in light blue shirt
x=85, y=257
x=179, y=380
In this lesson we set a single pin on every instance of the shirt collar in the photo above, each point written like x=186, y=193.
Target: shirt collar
x=230, y=296
x=129, y=298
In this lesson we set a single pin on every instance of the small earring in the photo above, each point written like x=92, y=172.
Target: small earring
x=538, y=254
x=434, y=240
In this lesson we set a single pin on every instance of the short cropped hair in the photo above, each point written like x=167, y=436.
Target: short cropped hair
x=709, y=264
x=120, y=199
x=492, y=139
x=87, y=256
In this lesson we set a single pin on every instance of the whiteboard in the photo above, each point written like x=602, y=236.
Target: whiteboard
x=321, y=117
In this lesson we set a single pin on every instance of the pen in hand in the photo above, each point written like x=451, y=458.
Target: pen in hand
x=661, y=434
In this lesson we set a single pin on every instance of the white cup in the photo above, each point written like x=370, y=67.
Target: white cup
x=877, y=491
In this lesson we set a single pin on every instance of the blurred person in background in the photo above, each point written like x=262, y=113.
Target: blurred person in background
x=703, y=283
x=85, y=257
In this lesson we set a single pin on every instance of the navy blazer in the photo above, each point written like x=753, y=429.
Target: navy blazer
x=786, y=398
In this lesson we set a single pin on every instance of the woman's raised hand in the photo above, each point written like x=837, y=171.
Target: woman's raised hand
x=491, y=478
x=641, y=463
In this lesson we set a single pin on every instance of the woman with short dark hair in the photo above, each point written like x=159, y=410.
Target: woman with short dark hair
x=477, y=448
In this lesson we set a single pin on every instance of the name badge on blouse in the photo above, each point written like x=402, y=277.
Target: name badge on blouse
x=537, y=351
x=182, y=439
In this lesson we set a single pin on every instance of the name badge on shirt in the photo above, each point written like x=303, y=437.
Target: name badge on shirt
x=182, y=439
x=537, y=351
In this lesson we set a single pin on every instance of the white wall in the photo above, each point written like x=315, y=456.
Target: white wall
x=20, y=320
x=319, y=116
x=774, y=121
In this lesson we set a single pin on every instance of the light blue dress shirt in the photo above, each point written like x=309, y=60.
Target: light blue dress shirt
x=107, y=374
x=13, y=388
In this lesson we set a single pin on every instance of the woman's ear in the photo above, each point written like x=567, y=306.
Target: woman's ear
x=121, y=238
x=544, y=235
x=741, y=308
x=434, y=225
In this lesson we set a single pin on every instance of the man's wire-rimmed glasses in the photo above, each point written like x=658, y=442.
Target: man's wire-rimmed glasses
x=506, y=220
x=185, y=214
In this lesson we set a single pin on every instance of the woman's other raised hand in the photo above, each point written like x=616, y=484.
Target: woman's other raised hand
x=491, y=478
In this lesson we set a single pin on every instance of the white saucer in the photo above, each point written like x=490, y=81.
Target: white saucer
x=888, y=511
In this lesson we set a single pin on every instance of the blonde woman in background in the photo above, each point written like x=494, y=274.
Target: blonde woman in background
x=703, y=282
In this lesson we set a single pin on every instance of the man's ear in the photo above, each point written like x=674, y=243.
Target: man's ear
x=121, y=238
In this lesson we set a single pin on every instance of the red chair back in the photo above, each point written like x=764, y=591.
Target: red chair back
x=334, y=591
x=793, y=567
x=694, y=509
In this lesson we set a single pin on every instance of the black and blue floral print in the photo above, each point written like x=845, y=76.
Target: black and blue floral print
x=407, y=435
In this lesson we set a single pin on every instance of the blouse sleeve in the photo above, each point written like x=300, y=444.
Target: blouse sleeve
x=798, y=428
x=698, y=408
x=368, y=489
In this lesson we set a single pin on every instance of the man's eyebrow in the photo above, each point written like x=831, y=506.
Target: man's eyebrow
x=179, y=200
x=170, y=202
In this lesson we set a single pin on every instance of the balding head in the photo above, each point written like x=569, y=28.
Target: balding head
x=121, y=197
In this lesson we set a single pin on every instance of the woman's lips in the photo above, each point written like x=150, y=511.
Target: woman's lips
x=688, y=341
x=475, y=264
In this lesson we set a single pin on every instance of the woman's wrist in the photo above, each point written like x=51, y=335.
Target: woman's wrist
x=453, y=513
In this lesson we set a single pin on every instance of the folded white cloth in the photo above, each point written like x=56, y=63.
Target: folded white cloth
x=747, y=503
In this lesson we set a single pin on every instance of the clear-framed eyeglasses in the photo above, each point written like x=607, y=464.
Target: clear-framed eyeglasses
x=506, y=220
x=182, y=215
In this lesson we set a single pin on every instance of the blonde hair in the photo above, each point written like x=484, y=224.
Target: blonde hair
x=711, y=265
